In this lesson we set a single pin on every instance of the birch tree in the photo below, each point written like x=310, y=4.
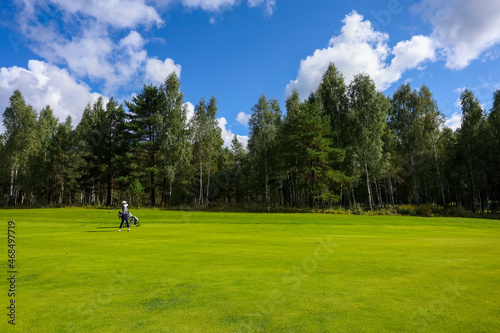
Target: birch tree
x=368, y=109
x=20, y=123
x=174, y=147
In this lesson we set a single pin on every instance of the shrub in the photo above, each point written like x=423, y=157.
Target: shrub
x=357, y=209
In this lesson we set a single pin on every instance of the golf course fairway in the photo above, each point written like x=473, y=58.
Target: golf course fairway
x=249, y=272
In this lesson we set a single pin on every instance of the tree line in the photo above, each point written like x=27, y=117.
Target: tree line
x=342, y=146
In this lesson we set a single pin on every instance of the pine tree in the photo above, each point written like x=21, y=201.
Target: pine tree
x=307, y=153
x=145, y=118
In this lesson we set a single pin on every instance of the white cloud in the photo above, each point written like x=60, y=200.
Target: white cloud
x=89, y=52
x=96, y=56
x=410, y=54
x=243, y=118
x=359, y=48
x=157, y=70
x=43, y=84
x=133, y=41
x=217, y=5
x=227, y=134
x=79, y=36
x=460, y=90
x=116, y=13
x=454, y=121
x=464, y=29
x=189, y=111
x=88, y=55
x=208, y=5
x=268, y=3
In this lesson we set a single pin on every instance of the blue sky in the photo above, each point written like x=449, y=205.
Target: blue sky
x=67, y=53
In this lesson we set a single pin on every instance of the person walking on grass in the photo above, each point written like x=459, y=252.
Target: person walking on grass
x=124, y=215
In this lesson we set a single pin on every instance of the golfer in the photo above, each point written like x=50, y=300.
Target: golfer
x=124, y=215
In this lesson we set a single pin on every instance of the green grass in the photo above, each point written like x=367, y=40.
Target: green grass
x=243, y=272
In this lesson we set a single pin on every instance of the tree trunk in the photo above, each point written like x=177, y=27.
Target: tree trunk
x=370, y=198
x=472, y=187
x=12, y=196
x=353, y=197
x=170, y=192
x=439, y=175
x=153, y=197
x=415, y=188
x=200, y=201
x=267, y=189
x=109, y=192
x=379, y=194
x=391, y=190
x=61, y=189
x=208, y=182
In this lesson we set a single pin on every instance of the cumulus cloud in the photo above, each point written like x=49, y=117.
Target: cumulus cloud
x=454, y=121
x=243, y=118
x=189, y=111
x=43, y=84
x=227, y=134
x=359, y=48
x=96, y=56
x=157, y=70
x=116, y=13
x=80, y=36
x=89, y=51
x=464, y=29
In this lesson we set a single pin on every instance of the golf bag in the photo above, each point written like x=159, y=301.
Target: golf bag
x=132, y=219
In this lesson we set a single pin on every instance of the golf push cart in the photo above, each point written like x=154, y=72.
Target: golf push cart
x=132, y=219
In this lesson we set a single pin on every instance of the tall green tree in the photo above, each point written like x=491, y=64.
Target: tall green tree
x=432, y=121
x=145, y=118
x=238, y=186
x=115, y=145
x=174, y=146
x=368, y=109
x=405, y=120
x=199, y=126
x=264, y=123
x=61, y=152
x=308, y=155
x=332, y=93
x=207, y=142
x=20, y=123
x=213, y=141
x=469, y=144
x=41, y=164
x=493, y=146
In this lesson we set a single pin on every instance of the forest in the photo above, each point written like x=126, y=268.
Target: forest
x=344, y=146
